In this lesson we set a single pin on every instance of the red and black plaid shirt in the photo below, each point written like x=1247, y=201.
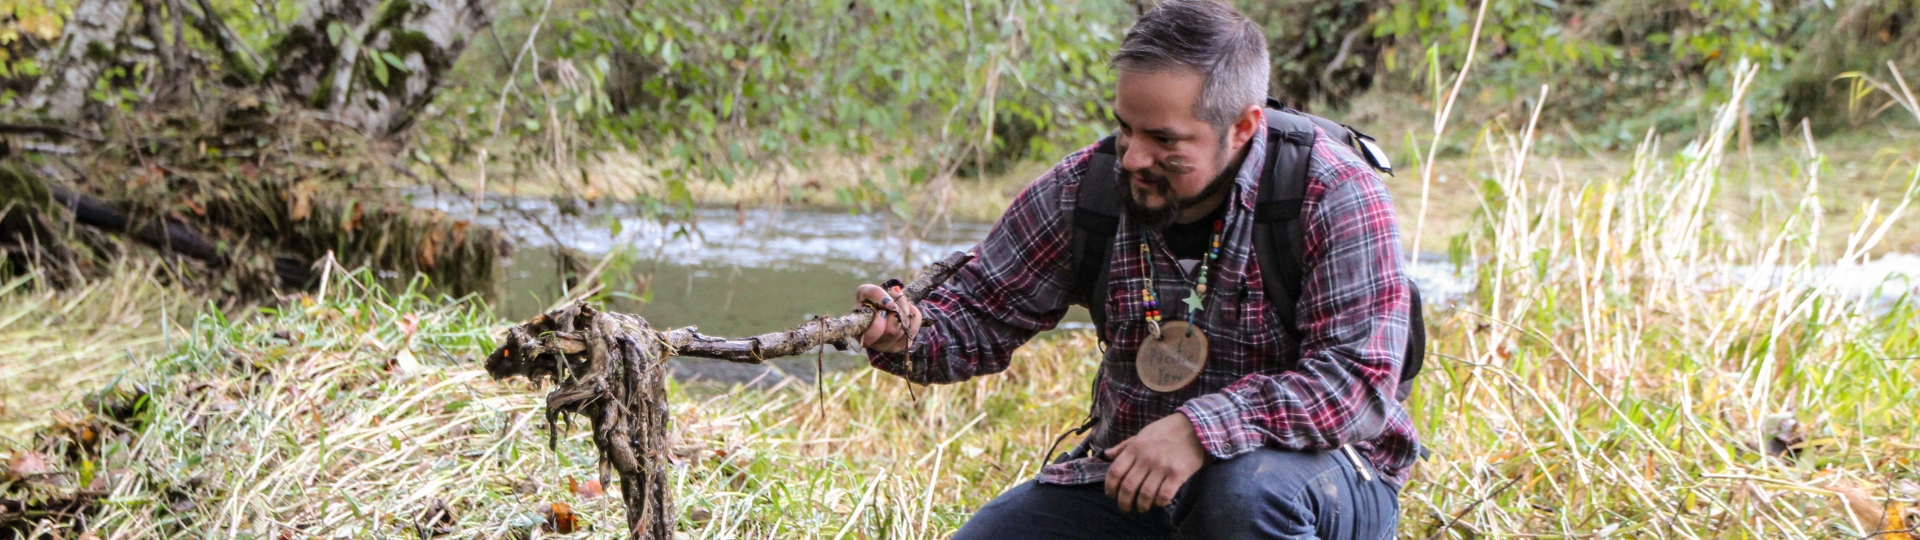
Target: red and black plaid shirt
x=1353, y=313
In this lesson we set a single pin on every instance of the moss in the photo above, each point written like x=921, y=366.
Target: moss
x=402, y=42
x=22, y=186
x=98, y=51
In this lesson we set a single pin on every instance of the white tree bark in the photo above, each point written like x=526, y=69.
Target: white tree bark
x=343, y=76
x=86, y=47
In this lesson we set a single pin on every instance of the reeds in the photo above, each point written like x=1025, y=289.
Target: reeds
x=1609, y=377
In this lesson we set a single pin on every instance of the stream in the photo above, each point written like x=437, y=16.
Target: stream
x=740, y=272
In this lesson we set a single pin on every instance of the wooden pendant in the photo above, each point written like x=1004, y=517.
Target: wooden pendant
x=1174, y=359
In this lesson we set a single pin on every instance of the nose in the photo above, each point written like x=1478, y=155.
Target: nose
x=1135, y=158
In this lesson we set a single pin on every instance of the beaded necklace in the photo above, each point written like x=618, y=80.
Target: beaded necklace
x=1196, y=298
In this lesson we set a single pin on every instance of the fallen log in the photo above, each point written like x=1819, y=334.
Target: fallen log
x=611, y=368
x=160, y=233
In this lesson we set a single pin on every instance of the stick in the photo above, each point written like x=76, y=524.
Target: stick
x=840, y=332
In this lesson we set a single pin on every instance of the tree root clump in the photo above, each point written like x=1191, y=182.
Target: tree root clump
x=612, y=369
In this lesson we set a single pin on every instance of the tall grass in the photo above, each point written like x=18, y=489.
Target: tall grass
x=58, y=344
x=1609, y=377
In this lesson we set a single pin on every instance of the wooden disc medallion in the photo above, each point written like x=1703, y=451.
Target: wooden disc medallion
x=1173, y=360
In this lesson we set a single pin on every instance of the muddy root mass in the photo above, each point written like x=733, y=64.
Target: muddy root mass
x=612, y=369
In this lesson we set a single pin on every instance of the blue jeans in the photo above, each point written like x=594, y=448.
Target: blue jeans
x=1261, y=494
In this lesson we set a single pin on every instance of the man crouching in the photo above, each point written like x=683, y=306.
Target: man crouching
x=1210, y=418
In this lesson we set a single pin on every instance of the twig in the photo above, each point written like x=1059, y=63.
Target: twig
x=1476, y=504
x=1440, y=127
x=232, y=49
x=501, y=109
x=56, y=132
x=838, y=331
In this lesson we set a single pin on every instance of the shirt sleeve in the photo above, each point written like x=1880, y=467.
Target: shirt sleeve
x=1015, y=287
x=1353, y=313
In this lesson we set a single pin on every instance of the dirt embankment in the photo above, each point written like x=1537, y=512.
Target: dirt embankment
x=241, y=198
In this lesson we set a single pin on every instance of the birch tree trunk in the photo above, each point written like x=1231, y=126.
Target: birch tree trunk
x=373, y=64
x=87, y=46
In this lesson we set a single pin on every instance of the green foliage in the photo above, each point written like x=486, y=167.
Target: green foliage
x=1323, y=52
x=716, y=90
x=1634, y=64
x=25, y=29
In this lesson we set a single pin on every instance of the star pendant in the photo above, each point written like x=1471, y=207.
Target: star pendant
x=1193, y=302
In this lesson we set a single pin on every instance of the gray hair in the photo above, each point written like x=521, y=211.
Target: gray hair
x=1210, y=38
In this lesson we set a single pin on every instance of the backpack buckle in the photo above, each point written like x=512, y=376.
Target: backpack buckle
x=1363, y=144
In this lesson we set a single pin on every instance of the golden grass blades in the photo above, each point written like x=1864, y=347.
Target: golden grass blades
x=1638, y=364
x=57, y=344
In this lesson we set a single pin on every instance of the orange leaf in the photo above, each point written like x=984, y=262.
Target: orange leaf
x=586, y=492
x=1896, y=522
x=560, y=518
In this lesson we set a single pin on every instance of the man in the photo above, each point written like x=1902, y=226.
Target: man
x=1271, y=436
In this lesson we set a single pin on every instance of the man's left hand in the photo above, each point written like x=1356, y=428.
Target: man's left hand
x=1149, y=468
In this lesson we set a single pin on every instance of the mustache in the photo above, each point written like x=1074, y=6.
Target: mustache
x=1127, y=177
x=1155, y=218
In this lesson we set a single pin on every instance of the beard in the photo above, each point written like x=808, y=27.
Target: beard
x=1160, y=218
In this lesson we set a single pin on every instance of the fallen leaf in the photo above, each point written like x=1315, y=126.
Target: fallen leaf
x=588, y=491
x=526, y=487
x=409, y=324
x=1867, y=512
x=222, y=404
x=1894, y=525
x=26, y=463
x=560, y=518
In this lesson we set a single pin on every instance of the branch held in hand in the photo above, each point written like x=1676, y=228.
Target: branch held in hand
x=840, y=332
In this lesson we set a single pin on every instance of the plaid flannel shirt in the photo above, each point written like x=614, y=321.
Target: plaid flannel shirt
x=1252, y=392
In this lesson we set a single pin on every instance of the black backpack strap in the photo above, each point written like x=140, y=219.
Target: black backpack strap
x=1276, y=213
x=1096, y=217
x=1416, y=355
x=1280, y=233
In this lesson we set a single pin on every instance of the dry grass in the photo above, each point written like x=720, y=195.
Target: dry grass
x=57, y=344
x=1605, y=379
x=329, y=418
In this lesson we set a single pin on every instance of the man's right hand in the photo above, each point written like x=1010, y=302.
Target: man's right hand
x=886, y=333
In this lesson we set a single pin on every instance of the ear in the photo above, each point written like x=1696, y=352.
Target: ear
x=1252, y=121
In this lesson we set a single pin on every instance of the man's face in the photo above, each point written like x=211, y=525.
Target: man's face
x=1169, y=159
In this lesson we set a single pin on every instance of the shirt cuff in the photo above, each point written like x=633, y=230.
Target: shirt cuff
x=885, y=361
x=1222, y=429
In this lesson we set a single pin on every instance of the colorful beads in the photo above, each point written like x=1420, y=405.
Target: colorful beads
x=1149, y=306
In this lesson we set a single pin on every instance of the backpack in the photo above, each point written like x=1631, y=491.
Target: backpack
x=1279, y=234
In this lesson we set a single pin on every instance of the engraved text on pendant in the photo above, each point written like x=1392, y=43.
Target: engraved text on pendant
x=1173, y=360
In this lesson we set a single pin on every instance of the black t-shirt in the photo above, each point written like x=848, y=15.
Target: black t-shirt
x=1190, y=242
